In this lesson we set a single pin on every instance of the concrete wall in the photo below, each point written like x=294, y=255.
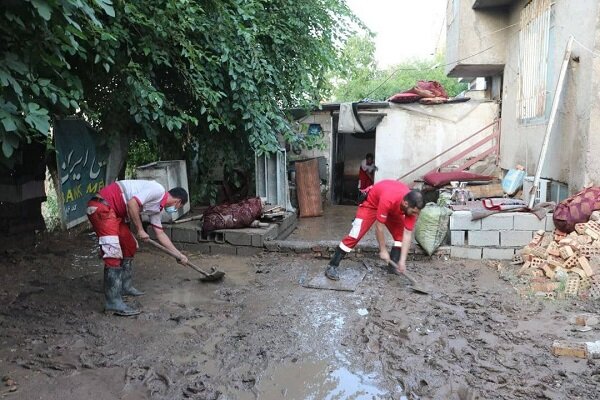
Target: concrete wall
x=469, y=34
x=574, y=146
x=323, y=118
x=411, y=134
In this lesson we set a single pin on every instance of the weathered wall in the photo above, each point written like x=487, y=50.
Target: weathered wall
x=469, y=34
x=573, y=143
x=411, y=134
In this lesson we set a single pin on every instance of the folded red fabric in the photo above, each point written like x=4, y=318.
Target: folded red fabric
x=437, y=179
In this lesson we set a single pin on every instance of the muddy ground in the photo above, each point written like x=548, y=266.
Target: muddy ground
x=260, y=335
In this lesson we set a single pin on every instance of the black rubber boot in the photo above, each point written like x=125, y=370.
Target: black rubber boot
x=395, y=257
x=332, y=269
x=112, y=293
x=127, y=278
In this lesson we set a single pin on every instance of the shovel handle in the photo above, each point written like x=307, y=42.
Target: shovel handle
x=188, y=264
x=410, y=278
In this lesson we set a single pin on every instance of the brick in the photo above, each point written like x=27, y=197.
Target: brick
x=544, y=286
x=472, y=253
x=461, y=220
x=497, y=222
x=457, y=238
x=528, y=222
x=569, y=349
x=566, y=252
x=548, y=271
x=498, y=254
x=515, y=238
x=580, y=228
x=585, y=266
x=549, y=223
x=593, y=234
x=484, y=238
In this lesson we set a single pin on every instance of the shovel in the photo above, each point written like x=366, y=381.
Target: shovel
x=415, y=287
x=214, y=275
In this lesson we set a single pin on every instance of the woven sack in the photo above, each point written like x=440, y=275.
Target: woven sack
x=576, y=209
x=432, y=227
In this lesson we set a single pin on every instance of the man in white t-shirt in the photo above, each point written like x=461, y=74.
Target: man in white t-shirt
x=110, y=212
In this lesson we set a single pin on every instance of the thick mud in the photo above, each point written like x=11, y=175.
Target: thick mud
x=259, y=334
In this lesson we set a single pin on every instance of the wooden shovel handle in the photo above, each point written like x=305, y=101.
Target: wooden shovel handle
x=410, y=278
x=189, y=264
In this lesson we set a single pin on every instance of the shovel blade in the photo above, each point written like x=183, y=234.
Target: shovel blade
x=212, y=277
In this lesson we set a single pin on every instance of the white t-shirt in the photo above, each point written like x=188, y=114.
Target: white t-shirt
x=367, y=168
x=149, y=196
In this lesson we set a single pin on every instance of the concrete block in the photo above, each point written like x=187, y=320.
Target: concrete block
x=515, y=238
x=497, y=222
x=257, y=240
x=549, y=223
x=528, y=222
x=457, y=238
x=271, y=245
x=238, y=238
x=248, y=251
x=184, y=235
x=484, y=238
x=473, y=253
x=498, y=254
x=461, y=220
x=216, y=248
x=203, y=248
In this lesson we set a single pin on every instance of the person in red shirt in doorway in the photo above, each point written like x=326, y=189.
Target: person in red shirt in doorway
x=110, y=212
x=391, y=204
x=366, y=172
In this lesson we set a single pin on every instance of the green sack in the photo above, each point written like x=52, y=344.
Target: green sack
x=432, y=227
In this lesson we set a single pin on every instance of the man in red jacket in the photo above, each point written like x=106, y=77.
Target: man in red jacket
x=390, y=204
x=110, y=212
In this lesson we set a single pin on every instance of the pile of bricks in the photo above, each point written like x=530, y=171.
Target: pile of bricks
x=569, y=263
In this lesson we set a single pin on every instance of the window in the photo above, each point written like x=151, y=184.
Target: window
x=533, y=59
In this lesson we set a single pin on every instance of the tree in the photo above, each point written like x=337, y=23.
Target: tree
x=381, y=84
x=214, y=73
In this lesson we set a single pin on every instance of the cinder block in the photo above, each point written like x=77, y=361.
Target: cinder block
x=498, y=254
x=203, y=248
x=248, y=251
x=528, y=222
x=515, y=238
x=461, y=220
x=457, y=238
x=497, y=222
x=472, y=253
x=238, y=238
x=216, y=248
x=257, y=240
x=271, y=245
x=484, y=238
x=184, y=235
x=549, y=223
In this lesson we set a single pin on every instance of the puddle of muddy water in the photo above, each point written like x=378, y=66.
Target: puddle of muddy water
x=314, y=380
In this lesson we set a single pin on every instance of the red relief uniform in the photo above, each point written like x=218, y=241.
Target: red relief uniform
x=364, y=180
x=382, y=204
x=108, y=216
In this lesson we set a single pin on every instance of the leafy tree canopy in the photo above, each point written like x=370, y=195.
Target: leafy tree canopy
x=361, y=79
x=217, y=73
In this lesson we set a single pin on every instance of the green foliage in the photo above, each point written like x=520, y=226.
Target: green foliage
x=203, y=78
x=141, y=152
x=361, y=79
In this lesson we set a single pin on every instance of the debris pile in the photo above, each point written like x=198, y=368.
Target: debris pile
x=567, y=264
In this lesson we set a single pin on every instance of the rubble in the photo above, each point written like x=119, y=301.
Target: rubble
x=566, y=263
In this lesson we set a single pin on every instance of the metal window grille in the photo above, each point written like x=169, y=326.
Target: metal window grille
x=533, y=59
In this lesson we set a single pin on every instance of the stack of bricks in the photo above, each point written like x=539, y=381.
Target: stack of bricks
x=495, y=237
x=572, y=259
